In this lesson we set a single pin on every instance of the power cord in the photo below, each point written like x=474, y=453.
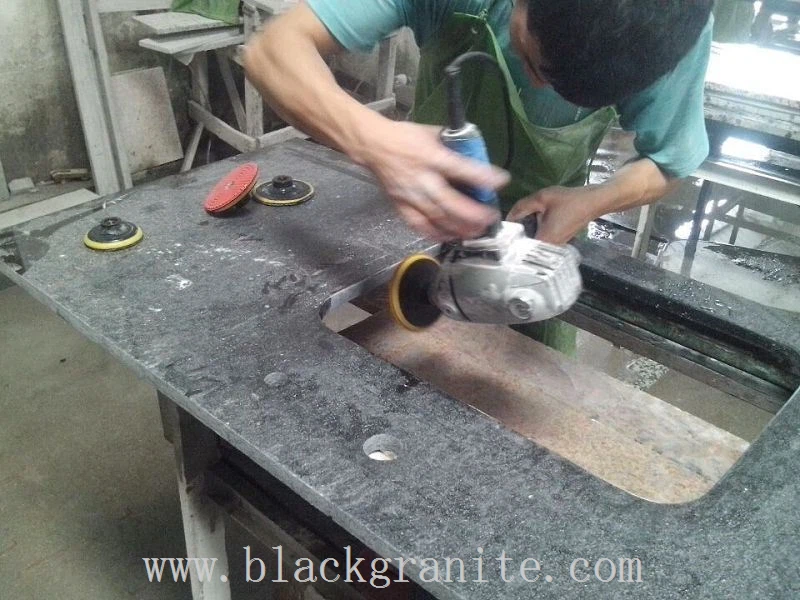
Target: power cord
x=455, y=102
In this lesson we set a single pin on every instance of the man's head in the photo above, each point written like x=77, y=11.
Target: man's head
x=598, y=52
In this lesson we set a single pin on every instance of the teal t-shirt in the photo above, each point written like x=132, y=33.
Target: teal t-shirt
x=667, y=118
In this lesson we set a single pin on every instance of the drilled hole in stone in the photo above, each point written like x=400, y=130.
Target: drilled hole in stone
x=383, y=447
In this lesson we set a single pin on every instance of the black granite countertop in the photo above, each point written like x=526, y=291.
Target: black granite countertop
x=223, y=317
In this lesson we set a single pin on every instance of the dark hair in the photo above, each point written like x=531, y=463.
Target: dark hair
x=599, y=52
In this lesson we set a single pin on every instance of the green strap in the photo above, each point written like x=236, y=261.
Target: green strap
x=226, y=11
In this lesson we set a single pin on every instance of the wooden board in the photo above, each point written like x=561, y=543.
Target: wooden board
x=194, y=42
x=45, y=207
x=86, y=73
x=111, y=6
x=230, y=135
x=3, y=185
x=97, y=43
x=622, y=435
x=166, y=23
x=146, y=120
x=754, y=88
x=760, y=74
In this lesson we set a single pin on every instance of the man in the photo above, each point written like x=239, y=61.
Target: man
x=570, y=65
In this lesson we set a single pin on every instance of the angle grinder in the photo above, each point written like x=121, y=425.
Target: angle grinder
x=505, y=276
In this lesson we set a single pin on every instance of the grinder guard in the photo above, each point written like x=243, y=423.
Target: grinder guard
x=508, y=278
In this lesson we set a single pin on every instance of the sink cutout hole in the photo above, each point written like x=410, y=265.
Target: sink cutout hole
x=676, y=436
x=383, y=448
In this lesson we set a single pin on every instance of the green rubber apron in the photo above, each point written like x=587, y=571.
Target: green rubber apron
x=542, y=157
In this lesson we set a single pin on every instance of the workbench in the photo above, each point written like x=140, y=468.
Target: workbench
x=752, y=88
x=273, y=415
x=750, y=94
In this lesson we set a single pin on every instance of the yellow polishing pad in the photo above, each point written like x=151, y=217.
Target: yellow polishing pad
x=113, y=234
x=409, y=302
x=283, y=191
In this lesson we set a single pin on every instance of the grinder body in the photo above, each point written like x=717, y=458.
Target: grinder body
x=507, y=278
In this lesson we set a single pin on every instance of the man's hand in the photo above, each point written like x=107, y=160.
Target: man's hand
x=562, y=212
x=419, y=173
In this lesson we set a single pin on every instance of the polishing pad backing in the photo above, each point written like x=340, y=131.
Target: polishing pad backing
x=283, y=191
x=409, y=303
x=113, y=234
x=233, y=190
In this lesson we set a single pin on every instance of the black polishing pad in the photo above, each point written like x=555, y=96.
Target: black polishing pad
x=283, y=191
x=113, y=234
x=409, y=302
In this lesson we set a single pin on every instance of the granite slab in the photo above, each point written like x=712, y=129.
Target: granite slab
x=223, y=317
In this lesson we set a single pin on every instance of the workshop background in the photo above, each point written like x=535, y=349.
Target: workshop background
x=87, y=485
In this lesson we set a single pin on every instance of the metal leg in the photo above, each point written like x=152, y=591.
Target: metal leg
x=761, y=30
x=4, y=194
x=203, y=521
x=387, y=60
x=233, y=92
x=200, y=87
x=697, y=222
x=739, y=216
x=710, y=225
x=253, y=103
x=643, y=231
x=191, y=149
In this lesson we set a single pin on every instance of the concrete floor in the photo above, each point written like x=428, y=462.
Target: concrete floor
x=87, y=484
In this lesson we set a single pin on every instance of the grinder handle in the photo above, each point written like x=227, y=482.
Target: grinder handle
x=472, y=147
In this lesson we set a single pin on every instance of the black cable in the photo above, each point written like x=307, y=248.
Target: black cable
x=456, y=104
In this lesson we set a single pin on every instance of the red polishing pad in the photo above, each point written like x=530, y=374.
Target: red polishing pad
x=233, y=190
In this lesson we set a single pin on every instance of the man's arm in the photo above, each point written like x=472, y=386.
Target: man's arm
x=286, y=63
x=564, y=212
x=670, y=137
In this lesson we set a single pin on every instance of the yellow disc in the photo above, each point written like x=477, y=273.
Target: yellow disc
x=259, y=195
x=117, y=245
x=405, y=293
